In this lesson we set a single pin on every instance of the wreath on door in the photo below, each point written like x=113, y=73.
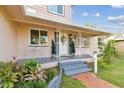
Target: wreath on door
x=63, y=39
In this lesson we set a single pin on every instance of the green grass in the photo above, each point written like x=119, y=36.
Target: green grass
x=68, y=82
x=114, y=72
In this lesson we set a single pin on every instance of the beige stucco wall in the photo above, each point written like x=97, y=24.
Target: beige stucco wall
x=24, y=50
x=8, y=46
x=93, y=46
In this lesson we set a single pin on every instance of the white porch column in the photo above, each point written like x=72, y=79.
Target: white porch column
x=57, y=43
x=59, y=56
x=80, y=44
x=95, y=62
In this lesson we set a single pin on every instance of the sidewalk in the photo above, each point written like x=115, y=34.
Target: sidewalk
x=92, y=81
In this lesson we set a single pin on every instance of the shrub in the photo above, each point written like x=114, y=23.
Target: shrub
x=31, y=64
x=8, y=74
x=1, y=64
x=108, y=52
x=50, y=73
x=40, y=84
x=27, y=75
x=33, y=71
x=53, y=48
x=32, y=84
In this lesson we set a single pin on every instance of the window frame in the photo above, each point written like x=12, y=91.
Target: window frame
x=87, y=40
x=100, y=41
x=63, y=10
x=38, y=45
x=77, y=42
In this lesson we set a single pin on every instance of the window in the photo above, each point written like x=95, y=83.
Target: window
x=38, y=37
x=34, y=37
x=85, y=41
x=43, y=37
x=100, y=41
x=57, y=9
x=77, y=41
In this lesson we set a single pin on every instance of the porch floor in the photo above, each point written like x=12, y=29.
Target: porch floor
x=61, y=59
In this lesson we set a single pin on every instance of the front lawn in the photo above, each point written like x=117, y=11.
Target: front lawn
x=68, y=82
x=113, y=73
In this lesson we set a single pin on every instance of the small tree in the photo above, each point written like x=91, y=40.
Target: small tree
x=90, y=25
x=53, y=48
x=109, y=51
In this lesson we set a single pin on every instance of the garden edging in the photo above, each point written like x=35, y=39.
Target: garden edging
x=55, y=82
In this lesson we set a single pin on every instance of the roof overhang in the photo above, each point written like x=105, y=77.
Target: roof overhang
x=17, y=15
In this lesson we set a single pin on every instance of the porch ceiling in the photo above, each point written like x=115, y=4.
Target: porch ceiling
x=16, y=14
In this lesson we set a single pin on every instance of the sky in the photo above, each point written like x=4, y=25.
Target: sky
x=105, y=17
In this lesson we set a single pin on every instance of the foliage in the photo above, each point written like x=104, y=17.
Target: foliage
x=33, y=71
x=90, y=25
x=1, y=64
x=8, y=74
x=108, y=52
x=27, y=75
x=100, y=46
x=68, y=82
x=50, y=73
x=32, y=84
x=63, y=39
x=31, y=64
x=53, y=48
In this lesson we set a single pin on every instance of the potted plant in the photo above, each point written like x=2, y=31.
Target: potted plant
x=53, y=48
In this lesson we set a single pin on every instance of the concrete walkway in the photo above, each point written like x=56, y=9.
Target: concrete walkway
x=92, y=81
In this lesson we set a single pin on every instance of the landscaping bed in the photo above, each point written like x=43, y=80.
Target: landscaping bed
x=30, y=74
x=27, y=75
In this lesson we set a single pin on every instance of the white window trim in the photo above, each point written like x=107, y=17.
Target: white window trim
x=63, y=8
x=38, y=45
x=83, y=40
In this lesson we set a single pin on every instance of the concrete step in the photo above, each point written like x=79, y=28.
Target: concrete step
x=76, y=71
x=74, y=66
x=72, y=62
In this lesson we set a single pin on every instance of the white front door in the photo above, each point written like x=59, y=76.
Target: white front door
x=64, y=44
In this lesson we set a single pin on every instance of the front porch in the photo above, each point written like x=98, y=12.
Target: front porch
x=45, y=60
x=71, y=65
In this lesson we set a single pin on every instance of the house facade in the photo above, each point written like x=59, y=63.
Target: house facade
x=27, y=32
